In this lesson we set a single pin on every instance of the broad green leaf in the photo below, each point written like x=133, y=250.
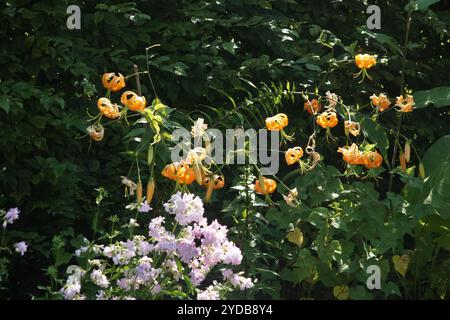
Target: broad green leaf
x=295, y=236
x=340, y=292
x=229, y=46
x=4, y=103
x=437, y=169
x=439, y=97
x=360, y=293
x=351, y=48
x=416, y=5
x=375, y=134
x=401, y=264
x=312, y=67
x=384, y=39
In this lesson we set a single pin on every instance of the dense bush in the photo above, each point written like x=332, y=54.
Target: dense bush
x=233, y=63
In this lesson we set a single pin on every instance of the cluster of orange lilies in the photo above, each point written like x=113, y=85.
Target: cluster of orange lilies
x=114, y=82
x=187, y=171
x=129, y=99
x=353, y=156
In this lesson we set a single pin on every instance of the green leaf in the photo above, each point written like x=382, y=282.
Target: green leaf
x=437, y=169
x=415, y=5
x=439, y=97
x=329, y=251
x=226, y=95
x=391, y=289
x=312, y=67
x=179, y=69
x=229, y=46
x=360, y=293
x=383, y=39
x=4, y=103
x=444, y=241
x=376, y=134
x=62, y=258
x=351, y=48
x=98, y=17
x=265, y=4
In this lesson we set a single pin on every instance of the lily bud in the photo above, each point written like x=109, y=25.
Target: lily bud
x=407, y=151
x=139, y=191
x=421, y=170
x=402, y=160
x=150, y=189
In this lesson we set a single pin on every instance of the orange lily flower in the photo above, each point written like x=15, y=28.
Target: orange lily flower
x=108, y=109
x=381, y=101
x=373, y=160
x=113, y=82
x=293, y=155
x=133, y=101
x=277, y=122
x=269, y=186
x=312, y=106
x=405, y=104
x=351, y=154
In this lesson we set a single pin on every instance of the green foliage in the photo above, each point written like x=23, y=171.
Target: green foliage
x=439, y=97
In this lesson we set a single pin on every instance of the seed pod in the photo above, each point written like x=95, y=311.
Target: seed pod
x=150, y=189
x=402, y=160
x=407, y=151
x=139, y=191
x=421, y=170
